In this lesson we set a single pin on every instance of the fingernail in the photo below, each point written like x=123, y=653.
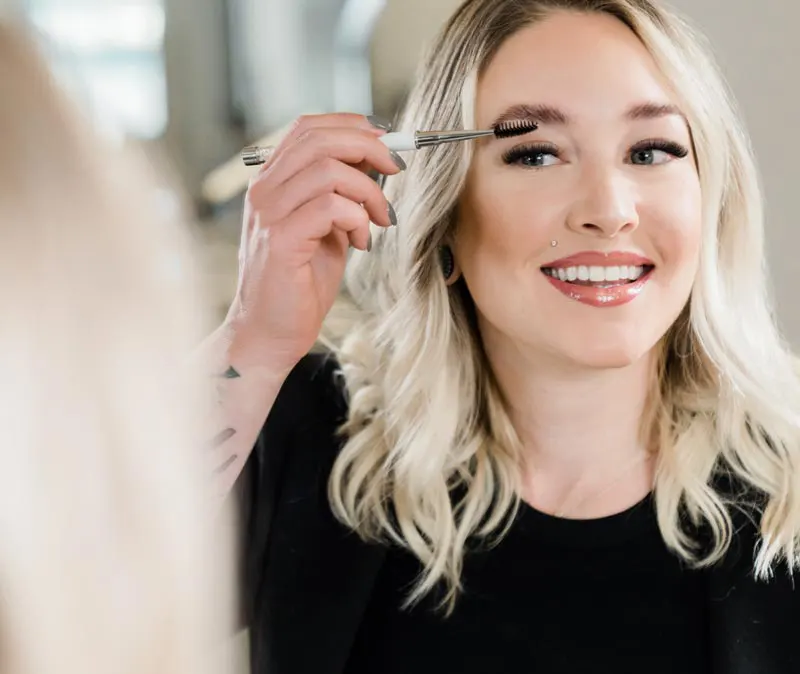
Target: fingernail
x=392, y=214
x=397, y=159
x=369, y=242
x=379, y=122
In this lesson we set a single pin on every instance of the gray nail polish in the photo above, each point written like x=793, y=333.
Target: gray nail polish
x=392, y=214
x=369, y=242
x=379, y=122
x=397, y=159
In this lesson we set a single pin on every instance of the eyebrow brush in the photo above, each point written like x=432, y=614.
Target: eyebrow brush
x=401, y=141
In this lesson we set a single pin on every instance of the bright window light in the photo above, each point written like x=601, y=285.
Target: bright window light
x=109, y=54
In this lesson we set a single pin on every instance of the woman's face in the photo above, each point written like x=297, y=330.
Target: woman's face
x=609, y=175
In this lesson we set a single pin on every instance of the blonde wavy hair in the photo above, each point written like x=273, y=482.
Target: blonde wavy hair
x=431, y=459
x=108, y=560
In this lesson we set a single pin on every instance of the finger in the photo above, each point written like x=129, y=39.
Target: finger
x=331, y=120
x=326, y=176
x=319, y=217
x=351, y=146
x=269, y=154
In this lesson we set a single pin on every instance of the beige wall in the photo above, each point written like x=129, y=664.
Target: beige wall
x=757, y=45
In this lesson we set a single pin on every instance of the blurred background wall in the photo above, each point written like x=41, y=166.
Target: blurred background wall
x=196, y=80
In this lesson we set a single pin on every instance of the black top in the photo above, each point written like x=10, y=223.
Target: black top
x=556, y=595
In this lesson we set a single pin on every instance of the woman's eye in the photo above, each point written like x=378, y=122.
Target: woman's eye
x=538, y=159
x=531, y=157
x=646, y=153
x=645, y=157
x=657, y=153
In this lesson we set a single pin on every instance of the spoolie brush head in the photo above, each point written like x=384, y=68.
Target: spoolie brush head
x=516, y=127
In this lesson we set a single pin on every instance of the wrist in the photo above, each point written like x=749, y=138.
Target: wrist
x=234, y=348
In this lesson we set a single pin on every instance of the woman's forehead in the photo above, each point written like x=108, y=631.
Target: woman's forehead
x=578, y=64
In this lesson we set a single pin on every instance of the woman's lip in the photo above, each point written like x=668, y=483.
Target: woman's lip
x=591, y=258
x=595, y=296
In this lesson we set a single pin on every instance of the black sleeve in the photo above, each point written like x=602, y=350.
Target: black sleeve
x=309, y=388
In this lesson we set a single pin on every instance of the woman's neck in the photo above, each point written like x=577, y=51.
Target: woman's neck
x=580, y=429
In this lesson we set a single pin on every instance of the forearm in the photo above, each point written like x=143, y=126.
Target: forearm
x=242, y=397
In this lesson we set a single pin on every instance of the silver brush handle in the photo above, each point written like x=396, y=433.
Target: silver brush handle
x=254, y=155
x=398, y=141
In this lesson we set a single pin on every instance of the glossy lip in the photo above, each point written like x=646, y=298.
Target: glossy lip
x=595, y=258
x=601, y=297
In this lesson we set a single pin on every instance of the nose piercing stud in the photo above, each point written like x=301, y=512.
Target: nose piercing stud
x=554, y=243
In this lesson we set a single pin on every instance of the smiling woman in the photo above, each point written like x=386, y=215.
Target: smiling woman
x=558, y=458
x=584, y=381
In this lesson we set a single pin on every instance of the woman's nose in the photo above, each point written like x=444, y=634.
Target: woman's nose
x=606, y=207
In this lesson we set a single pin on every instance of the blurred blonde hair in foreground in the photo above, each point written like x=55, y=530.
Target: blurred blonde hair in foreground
x=107, y=562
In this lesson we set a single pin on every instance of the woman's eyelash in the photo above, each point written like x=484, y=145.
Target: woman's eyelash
x=670, y=147
x=520, y=152
x=515, y=154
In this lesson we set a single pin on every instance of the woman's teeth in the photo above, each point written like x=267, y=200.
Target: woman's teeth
x=591, y=275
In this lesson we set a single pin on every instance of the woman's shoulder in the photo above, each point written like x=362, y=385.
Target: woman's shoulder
x=314, y=386
x=296, y=442
x=299, y=433
x=312, y=396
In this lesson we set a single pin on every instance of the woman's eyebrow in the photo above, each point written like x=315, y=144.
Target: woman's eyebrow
x=526, y=112
x=548, y=114
x=653, y=110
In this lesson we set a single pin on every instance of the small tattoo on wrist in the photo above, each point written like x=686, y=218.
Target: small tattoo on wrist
x=222, y=437
x=230, y=373
x=226, y=464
